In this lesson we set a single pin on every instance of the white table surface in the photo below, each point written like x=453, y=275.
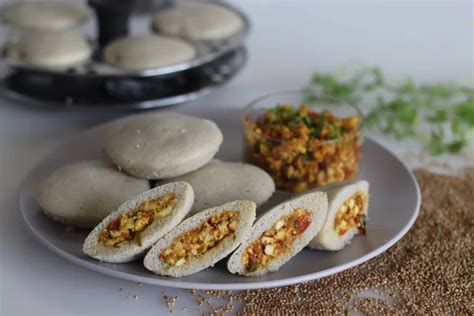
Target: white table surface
x=431, y=40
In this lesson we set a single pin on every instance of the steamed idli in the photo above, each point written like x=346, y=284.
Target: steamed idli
x=162, y=145
x=47, y=16
x=198, y=21
x=218, y=182
x=50, y=49
x=83, y=193
x=141, y=52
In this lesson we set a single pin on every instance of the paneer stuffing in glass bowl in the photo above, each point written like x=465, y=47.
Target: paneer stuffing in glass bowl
x=303, y=145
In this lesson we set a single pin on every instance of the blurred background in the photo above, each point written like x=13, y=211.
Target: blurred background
x=431, y=40
x=289, y=40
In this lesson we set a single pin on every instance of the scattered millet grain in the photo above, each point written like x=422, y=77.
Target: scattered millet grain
x=170, y=301
x=429, y=271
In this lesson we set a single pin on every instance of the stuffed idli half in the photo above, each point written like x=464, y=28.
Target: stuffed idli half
x=219, y=181
x=50, y=50
x=202, y=240
x=142, y=52
x=83, y=193
x=162, y=145
x=198, y=21
x=46, y=16
x=347, y=215
x=280, y=234
x=127, y=233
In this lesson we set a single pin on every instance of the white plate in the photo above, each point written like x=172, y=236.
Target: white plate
x=394, y=206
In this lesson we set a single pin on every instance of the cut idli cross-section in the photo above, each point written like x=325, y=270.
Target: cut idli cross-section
x=81, y=194
x=162, y=145
x=218, y=182
x=201, y=240
x=126, y=234
x=50, y=16
x=198, y=21
x=53, y=50
x=347, y=215
x=142, y=52
x=279, y=235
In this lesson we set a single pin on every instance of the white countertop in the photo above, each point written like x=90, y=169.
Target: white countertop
x=430, y=40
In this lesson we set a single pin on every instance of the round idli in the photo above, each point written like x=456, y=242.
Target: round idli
x=198, y=21
x=218, y=182
x=162, y=145
x=142, y=52
x=50, y=49
x=83, y=193
x=48, y=16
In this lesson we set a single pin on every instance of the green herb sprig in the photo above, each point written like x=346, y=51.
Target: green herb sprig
x=440, y=115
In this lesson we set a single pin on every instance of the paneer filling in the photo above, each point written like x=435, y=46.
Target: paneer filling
x=302, y=148
x=196, y=242
x=129, y=226
x=351, y=214
x=277, y=240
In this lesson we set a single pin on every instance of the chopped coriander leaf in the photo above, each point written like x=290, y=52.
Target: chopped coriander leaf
x=336, y=132
x=253, y=266
x=297, y=119
x=257, y=146
x=316, y=132
x=321, y=126
x=324, y=121
x=138, y=239
x=307, y=121
x=271, y=116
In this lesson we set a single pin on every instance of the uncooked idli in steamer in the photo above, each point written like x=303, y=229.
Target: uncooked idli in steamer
x=198, y=21
x=50, y=49
x=50, y=16
x=142, y=52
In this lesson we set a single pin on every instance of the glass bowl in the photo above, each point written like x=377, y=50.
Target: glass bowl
x=303, y=147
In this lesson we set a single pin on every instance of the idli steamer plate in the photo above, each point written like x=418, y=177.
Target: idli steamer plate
x=96, y=84
x=67, y=90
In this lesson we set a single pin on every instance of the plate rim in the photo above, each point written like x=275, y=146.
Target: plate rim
x=176, y=283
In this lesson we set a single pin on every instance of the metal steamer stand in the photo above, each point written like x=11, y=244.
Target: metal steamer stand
x=96, y=85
